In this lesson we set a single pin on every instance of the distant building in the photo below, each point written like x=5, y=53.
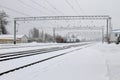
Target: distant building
x=10, y=39
x=115, y=36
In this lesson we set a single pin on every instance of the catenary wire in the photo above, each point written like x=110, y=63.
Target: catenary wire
x=79, y=6
x=34, y=8
x=71, y=7
x=41, y=6
x=54, y=7
x=13, y=10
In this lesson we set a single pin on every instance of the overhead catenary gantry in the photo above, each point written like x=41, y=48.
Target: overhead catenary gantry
x=84, y=17
x=88, y=17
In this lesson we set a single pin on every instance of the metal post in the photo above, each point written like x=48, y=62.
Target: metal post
x=14, y=31
x=54, y=35
x=102, y=34
x=42, y=35
x=107, y=37
x=110, y=26
x=1, y=27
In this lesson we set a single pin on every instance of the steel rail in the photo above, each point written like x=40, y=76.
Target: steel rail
x=46, y=59
x=34, y=52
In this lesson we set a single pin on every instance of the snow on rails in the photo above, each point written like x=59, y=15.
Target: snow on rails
x=25, y=54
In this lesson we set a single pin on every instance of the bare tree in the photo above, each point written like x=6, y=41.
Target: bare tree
x=3, y=22
x=34, y=33
x=48, y=37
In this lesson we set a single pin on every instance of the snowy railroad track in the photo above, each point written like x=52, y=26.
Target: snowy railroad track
x=78, y=47
x=10, y=47
x=14, y=55
x=9, y=56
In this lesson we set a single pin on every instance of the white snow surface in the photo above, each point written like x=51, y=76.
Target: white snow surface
x=96, y=62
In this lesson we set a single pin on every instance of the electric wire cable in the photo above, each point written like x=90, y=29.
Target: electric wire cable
x=13, y=10
x=54, y=7
x=34, y=8
x=71, y=7
x=41, y=6
x=79, y=6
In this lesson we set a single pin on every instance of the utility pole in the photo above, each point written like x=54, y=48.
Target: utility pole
x=42, y=35
x=110, y=27
x=14, y=31
x=102, y=34
x=0, y=27
x=107, y=30
x=54, y=35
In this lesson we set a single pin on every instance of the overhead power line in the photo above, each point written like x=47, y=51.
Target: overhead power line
x=41, y=6
x=13, y=10
x=31, y=6
x=79, y=5
x=71, y=7
x=54, y=7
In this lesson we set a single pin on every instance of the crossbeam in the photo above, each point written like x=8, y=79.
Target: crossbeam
x=88, y=17
x=79, y=28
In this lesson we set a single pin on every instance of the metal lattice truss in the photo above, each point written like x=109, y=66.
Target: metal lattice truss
x=88, y=17
x=79, y=28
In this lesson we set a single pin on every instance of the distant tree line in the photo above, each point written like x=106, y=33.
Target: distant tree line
x=36, y=35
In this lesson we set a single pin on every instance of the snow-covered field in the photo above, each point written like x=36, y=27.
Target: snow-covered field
x=96, y=62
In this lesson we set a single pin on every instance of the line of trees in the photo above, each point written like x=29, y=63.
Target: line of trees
x=36, y=35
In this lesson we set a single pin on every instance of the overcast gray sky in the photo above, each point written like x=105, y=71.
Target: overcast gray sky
x=63, y=7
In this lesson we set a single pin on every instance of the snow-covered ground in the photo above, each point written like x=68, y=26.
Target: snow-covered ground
x=96, y=62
